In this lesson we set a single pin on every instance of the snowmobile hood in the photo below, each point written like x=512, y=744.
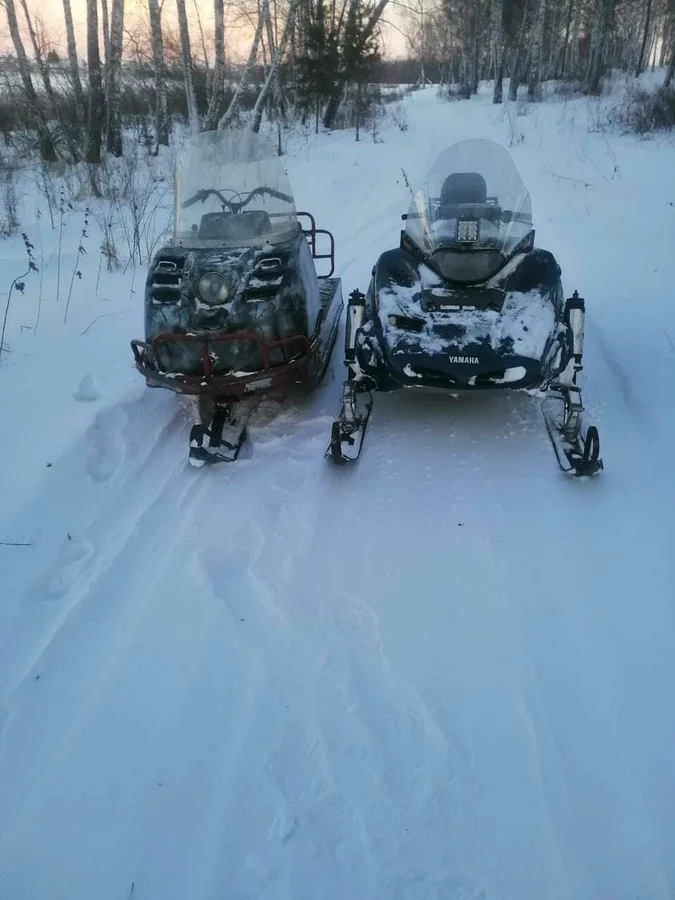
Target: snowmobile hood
x=509, y=315
x=472, y=212
x=232, y=191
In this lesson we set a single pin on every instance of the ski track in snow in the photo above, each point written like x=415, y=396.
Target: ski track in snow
x=441, y=675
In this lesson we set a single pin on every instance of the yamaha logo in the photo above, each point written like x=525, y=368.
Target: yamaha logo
x=470, y=360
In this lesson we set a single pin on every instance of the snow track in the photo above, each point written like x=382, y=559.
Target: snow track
x=441, y=675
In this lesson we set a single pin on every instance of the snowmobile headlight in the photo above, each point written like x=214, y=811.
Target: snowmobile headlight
x=467, y=231
x=213, y=288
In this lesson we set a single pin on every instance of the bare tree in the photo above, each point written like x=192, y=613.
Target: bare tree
x=601, y=26
x=216, y=96
x=519, y=57
x=47, y=150
x=186, y=57
x=233, y=108
x=105, y=26
x=161, y=106
x=73, y=63
x=645, y=34
x=43, y=68
x=114, y=80
x=496, y=15
x=272, y=74
x=537, y=53
x=96, y=99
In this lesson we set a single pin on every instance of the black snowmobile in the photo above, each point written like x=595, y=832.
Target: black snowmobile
x=467, y=303
x=233, y=304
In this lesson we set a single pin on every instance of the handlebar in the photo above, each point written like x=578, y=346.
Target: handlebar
x=232, y=205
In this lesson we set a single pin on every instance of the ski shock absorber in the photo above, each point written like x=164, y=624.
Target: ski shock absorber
x=576, y=313
x=355, y=312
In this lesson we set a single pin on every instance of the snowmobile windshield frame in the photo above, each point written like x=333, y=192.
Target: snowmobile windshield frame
x=472, y=212
x=232, y=191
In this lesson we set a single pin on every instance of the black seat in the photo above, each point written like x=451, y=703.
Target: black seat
x=463, y=187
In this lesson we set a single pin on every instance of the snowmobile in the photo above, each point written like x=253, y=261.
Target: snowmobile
x=467, y=303
x=234, y=306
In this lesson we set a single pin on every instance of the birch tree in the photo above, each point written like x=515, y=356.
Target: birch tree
x=517, y=66
x=496, y=15
x=601, y=26
x=114, y=80
x=73, y=63
x=235, y=103
x=272, y=76
x=96, y=99
x=161, y=105
x=216, y=95
x=105, y=27
x=43, y=69
x=537, y=53
x=47, y=150
x=186, y=58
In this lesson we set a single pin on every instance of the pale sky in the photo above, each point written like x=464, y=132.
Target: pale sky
x=52, y=14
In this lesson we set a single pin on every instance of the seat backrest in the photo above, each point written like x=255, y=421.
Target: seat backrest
x=463, y=187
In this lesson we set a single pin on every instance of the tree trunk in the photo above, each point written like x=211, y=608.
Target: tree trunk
x=200, y=28
x=603, y=16
x=517, y=64
x=47, y=83
x=537, y=50
x=497, y=11
x=161, y=106
x=193, y=118
x=643, y=45
x=670, y=74
x=96, y=99
x=73, y=63
x=114, y=71
x=47, y=151
x=105, y=26
x=216, y=96
x=574, y=48
x=233, y=108
x=272, y=74
x=567, y=39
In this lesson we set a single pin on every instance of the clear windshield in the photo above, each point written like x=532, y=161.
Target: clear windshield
x=232, y=190
x=472, y=212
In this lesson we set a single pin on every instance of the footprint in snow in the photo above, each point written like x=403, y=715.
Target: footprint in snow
x=461, y=887
x=107, y=446
x=59, y=578
x=4, y=721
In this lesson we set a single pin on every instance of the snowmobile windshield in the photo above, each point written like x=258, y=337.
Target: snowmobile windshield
x=232, y=190
x=472, y=212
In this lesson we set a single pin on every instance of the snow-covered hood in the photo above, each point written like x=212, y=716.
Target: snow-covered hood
x=431, y=317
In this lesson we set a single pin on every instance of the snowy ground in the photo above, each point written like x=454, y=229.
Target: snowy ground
x=443, y=675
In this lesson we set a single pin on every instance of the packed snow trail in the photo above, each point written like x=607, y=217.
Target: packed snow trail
x=441, y=675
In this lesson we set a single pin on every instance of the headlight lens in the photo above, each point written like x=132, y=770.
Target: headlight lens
x=213, y=288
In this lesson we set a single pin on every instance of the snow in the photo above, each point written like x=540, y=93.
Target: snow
x=441, y=675
x=88, y=391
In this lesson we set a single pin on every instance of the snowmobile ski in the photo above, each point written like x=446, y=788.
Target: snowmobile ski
x=349, y=429
x=221, y=440
x=575, y=455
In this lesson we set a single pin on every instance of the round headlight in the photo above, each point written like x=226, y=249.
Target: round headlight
x=213, y=288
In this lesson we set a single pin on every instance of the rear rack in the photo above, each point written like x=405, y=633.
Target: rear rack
x=310, y=233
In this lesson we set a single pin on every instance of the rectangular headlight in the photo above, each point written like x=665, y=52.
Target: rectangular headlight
x=467, y=231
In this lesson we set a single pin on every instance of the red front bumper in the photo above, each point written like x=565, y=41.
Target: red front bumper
x=297, y=352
